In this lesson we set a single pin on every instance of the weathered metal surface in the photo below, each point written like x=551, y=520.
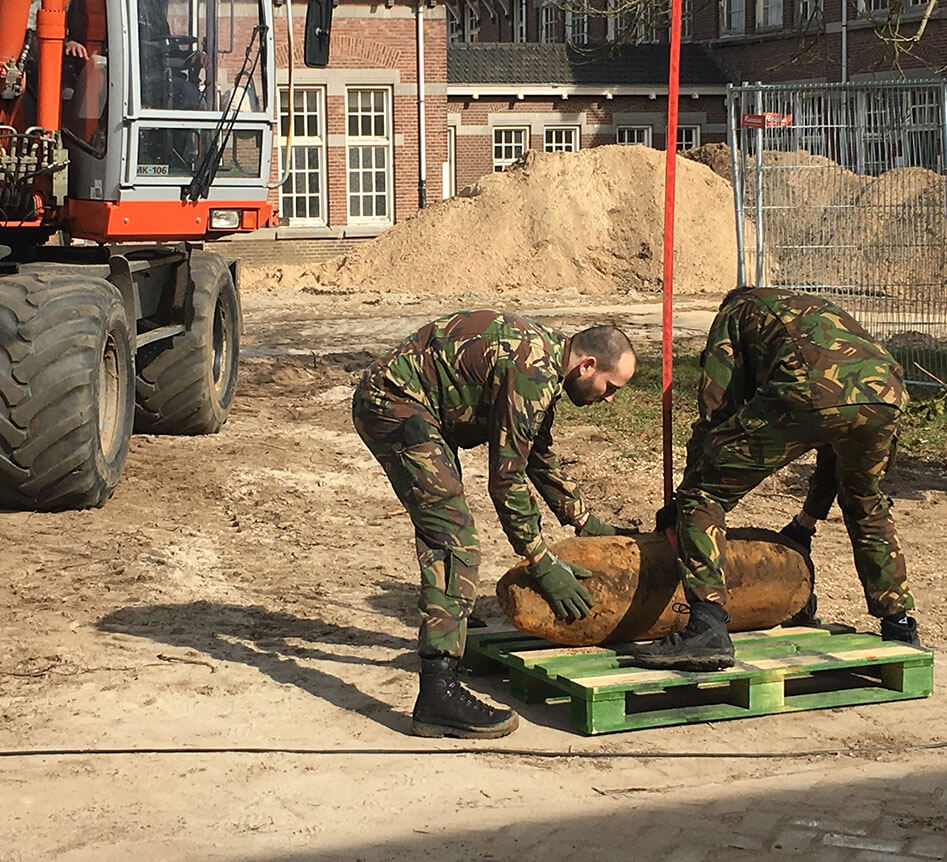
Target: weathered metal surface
x=635, y=584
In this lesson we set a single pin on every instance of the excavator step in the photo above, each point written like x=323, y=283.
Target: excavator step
x=777, y=670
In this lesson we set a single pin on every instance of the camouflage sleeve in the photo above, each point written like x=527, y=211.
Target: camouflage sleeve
x=560, y=491
x=722, y=387
x=521, y=400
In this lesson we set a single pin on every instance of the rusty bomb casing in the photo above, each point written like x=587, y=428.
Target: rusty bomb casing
x=635, y=584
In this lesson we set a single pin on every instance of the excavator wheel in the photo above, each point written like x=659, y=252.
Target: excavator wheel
x=66, y=391
x=185, y=384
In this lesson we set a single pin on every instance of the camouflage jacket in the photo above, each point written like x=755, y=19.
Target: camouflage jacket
x=495, y=378
x=791, y=351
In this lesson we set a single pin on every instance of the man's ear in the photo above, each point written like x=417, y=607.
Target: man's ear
x=587, y=364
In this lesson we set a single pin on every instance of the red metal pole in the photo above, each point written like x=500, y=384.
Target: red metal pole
x=670, y=173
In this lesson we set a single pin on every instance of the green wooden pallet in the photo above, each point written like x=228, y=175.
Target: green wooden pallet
x=778, y=670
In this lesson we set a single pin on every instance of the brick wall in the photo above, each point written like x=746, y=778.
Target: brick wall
x=267, y=252
x=596, y=116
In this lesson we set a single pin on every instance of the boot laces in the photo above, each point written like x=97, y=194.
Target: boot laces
x=466, y=699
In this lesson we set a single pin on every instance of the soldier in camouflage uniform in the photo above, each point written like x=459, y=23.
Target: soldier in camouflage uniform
x=785, y=372
x=470, y=378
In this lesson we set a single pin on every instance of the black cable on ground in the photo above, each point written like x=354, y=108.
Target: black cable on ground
x=508, y=752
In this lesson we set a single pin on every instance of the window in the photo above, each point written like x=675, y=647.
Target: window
x=302, y=195
x=368, y=152
x=769, y=14
x=871, y=8
x=634, y=135
x=619, y=20
x=561, y=139
x=548, y=23
x=688, y=137
x=731, y=16
x=808, y=12
x=519, y=20
x=687, y=20
x=577, y=24
x=649, y=29
x=508, y=145
x=455, y=30
x=471, y=23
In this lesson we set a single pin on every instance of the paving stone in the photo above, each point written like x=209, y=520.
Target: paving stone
x=688, y=854
x=746, y=842
x=863, y=842
x=929, y=846
x=760, y=822
x=794, y=840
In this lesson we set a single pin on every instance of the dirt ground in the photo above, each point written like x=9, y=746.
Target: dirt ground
x=256, y=589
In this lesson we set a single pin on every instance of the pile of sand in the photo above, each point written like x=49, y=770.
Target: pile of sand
x=592, y=220
x=825, y=226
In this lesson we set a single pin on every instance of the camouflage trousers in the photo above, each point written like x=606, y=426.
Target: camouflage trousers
x=756, y=442
x=425, y=473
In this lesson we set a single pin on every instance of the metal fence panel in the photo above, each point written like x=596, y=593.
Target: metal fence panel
x=841, y=189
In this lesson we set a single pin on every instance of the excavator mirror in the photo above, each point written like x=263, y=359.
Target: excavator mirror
x=318, y=23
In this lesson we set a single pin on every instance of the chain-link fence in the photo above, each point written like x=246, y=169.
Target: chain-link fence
x=841, y=189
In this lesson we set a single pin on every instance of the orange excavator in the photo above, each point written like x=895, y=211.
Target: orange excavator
x=133, y=133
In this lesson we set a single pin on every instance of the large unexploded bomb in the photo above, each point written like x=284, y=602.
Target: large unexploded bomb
x=635, y=585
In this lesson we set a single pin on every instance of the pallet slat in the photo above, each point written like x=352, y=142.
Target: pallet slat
x=778, y=670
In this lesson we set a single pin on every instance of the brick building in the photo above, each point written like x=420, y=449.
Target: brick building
x=503, y=76
x=356, y=164
x=506, y=98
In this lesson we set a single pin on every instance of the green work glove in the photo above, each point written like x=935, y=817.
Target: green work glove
x=595, y=526
x=557, y=582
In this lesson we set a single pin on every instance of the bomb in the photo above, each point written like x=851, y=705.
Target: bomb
x=637, y=589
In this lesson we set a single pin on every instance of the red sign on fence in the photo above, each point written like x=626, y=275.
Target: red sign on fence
x=768, y=120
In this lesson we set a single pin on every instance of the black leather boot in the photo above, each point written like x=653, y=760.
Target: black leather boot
x=445, y=708
x=900, y=627
x=703, y=645
x=806, y=616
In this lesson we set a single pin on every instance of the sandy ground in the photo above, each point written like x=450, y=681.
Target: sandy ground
x=256, y=590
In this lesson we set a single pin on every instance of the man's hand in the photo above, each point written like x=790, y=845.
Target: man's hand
x=799, y=534
x=666, y=516
x=595, y=526
x=556, y=580
x=75, y=49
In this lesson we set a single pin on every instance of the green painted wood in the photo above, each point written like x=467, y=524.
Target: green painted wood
x=606, y=694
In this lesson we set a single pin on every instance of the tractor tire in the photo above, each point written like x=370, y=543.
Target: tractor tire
x=185, y=384
x=66, y=391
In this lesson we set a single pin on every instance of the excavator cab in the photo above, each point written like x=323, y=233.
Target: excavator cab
x=170, y=113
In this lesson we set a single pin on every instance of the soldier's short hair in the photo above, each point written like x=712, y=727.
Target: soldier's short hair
x=607, y=343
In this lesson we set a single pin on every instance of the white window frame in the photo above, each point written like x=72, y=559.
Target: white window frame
x=364, y=143
x=732, y=17
x=561, y=139
x=687, y=20
x=577, y=25
x=503, y=138
x=688, y=135
x=305, y=145
x=471, y=22
x=449, y=187
x=643, y=132
x=808, y=12
x=548, y=24
x=871, y=9
x=520, y=10
x=455, y=26
x=618, y=22
x=769, y=14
